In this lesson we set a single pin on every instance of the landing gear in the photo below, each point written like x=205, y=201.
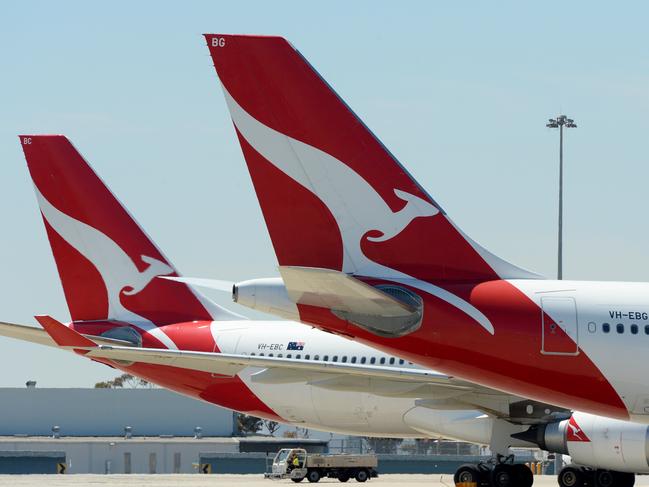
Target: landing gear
x=523, y=474
x=467, y=473
x=624, y=479
x=502, y=473
x=572, y=476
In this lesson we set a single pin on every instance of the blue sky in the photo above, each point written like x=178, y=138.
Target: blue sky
x=459, y=91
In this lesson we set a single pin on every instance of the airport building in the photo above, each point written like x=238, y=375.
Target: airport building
x=104, y=431
x=124, y=431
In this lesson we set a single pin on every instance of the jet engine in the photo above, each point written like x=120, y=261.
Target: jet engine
x=266, y=295
x=595, y=441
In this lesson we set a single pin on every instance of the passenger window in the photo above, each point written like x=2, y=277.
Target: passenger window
x=363, y=360
x=391, y=360
x=298, y=356
x=592, y=327
x=606, y=327
x=373, y=360
x=307, y=357
x=270, y=355
x=280, y=355
x=290, y=355
x=316, y=357
x=261, y=354
x=620, y=328
x=335, y=359
x=634, y=329
x=252, y=354
x=353, y=360
x=382, y=360
x=325, y=358
x=646, y=329
x=344, y=359
x=401, y=361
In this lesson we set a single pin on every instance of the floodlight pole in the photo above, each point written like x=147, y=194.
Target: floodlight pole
x=560, y=236
x=559, y=123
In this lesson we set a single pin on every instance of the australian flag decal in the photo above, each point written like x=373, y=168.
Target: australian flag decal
x=295, y=346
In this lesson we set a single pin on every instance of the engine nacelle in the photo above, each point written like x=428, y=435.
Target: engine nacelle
x=266, y=295
x=596, y=441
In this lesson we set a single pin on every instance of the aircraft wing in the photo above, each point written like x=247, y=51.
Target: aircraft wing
x=430, y=389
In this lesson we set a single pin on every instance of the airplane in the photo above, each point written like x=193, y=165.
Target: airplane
x=130, y=310
x=367, y=253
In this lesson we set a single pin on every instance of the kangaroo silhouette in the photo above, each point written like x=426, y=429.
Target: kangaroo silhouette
x=355, y=205
x=576, y=433
x=119, y=273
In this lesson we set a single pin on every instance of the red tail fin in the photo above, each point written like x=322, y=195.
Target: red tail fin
x=331, y=193
x=107, y=264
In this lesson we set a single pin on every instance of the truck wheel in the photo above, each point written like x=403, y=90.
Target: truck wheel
x=297, y=481
x=313, y=476
x=343, y=477
x=361, y=476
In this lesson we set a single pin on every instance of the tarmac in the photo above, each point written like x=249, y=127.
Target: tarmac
x=196, y=480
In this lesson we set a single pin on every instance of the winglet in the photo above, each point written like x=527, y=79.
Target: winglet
x=63, y=335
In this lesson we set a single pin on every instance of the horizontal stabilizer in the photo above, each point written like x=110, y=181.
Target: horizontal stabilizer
x=326, y=288
x=41, y=337
x=64, y=336
x=26, y=333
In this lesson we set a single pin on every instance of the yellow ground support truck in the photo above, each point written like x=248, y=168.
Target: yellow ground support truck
x=296, y=464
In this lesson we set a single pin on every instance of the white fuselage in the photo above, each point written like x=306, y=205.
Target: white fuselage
x=611, y=327
x=325, y=402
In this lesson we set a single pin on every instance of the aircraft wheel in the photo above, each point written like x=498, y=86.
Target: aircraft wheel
x=605, y=478
x=503, y=475
x=523, y=475
x=297, y=481
x=624, y=479
x=467, y=473
x=313, y=476
x=571, y=477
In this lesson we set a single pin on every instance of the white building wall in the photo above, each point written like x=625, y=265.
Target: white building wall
x=97, y=455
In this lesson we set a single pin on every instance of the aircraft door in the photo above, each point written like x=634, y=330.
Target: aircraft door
x=559, y=331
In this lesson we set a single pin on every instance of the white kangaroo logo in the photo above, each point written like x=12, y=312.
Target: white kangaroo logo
x=576, y=431
x=354, y=203
x=119, y=273
x=156, y=268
